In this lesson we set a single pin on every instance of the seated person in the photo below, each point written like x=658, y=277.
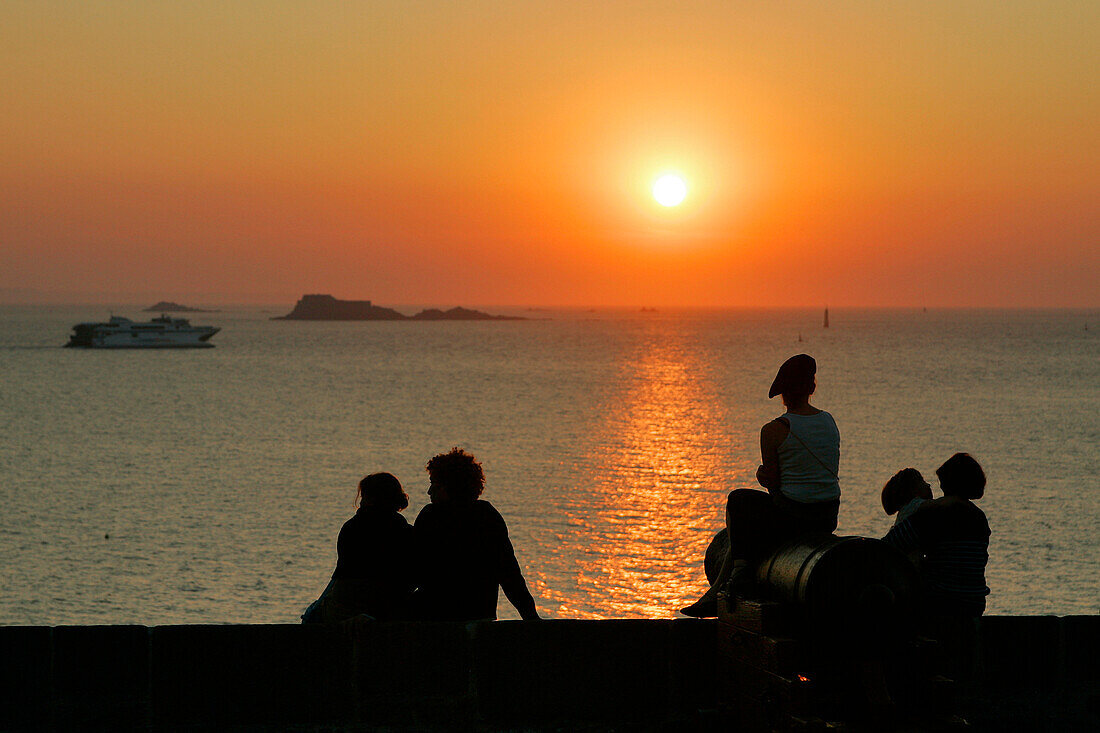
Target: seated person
x=463, y=547
x=800, y=458
x=904, y=493
x=375, y=558
x=951, y=535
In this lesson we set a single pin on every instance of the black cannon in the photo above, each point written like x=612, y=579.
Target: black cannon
x=827, y=633
x=844, y=590
x=852, y=586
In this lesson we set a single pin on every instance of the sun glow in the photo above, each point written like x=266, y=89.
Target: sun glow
x=669, y=190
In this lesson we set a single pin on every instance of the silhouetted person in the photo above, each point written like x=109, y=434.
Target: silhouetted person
x=463, y=547
x=951, y=535
x=948, y=538
x=904, y=493
x=902, y=496
x=375, y=558
x=800, y=457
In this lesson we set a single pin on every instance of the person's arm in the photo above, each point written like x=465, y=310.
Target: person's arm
x=919, y=530
x=904, y=537
x=347, y=545
x=343, y=542
x=511, y=578
x=419, y=540
x=408, y=563
x=771, y=436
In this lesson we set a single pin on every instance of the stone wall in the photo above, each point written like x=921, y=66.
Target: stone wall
x=357, y=675
x=1036, y=673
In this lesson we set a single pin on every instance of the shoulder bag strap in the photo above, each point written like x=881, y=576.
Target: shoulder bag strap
x=795, y=436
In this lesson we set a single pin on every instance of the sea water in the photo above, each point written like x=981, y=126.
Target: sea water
x=208, y=486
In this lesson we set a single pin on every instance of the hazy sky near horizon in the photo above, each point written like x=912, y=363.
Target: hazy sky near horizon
x=851, y=153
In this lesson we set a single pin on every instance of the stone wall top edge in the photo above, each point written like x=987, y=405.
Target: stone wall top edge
x=1045, y=618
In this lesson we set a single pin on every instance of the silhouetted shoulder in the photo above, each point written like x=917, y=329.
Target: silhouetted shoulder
x=775, y=431
x=370, y=516
x=950, y=516
x=488, y=514
x=950, y=505
x=425, y=514
x=480, y=513
x=397, y=521
x=487, y=509
x=371, y=525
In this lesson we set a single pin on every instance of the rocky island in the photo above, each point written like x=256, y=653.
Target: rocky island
x=328, y=308
x=167, y=306
x=460, y=314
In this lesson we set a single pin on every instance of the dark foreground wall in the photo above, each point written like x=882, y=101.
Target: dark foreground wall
x=399, y=675
x=1037, y=673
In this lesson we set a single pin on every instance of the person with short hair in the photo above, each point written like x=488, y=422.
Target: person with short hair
x=464, y=551
x=904, y=493
x=951, y=534
x=800, y=461
x=374, y=573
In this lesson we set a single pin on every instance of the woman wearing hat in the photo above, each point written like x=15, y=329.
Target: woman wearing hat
x=800, y=454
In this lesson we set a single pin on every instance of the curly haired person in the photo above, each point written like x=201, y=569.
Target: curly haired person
x=464, y=551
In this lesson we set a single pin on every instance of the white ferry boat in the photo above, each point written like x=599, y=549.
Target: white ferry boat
x=160, y=333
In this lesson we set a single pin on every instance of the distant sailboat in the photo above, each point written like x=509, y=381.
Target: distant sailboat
x=826, y=317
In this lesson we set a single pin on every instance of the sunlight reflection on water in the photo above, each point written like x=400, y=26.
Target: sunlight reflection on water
x=648, y=515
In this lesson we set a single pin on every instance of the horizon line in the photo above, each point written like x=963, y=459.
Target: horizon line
x=143, y=304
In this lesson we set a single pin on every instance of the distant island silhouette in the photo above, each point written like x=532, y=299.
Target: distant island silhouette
x=166, y=306
x=329, y=308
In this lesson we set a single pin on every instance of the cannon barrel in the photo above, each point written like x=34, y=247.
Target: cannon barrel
x=844, y=587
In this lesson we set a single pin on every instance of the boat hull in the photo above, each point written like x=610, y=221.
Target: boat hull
x=140, y=346
x=160, y=333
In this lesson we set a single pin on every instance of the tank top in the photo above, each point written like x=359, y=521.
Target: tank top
x=809, y=458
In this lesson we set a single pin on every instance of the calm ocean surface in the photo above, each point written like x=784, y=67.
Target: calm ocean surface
x=208, y=486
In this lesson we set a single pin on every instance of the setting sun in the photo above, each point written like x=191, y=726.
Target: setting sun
x=669, y=190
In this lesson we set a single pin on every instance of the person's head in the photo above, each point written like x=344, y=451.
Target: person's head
x=382, y=490
x=795, y=380
x=960, y=475
x=904, y=486
x=455, y=476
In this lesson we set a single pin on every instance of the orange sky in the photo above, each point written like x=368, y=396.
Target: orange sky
x=501, y=153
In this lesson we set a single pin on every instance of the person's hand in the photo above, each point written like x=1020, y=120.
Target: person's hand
x=768, y=479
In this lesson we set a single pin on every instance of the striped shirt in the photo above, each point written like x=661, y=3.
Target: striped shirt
x=952, y=537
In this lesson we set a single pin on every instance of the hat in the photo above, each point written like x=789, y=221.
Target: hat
x=797, y=371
